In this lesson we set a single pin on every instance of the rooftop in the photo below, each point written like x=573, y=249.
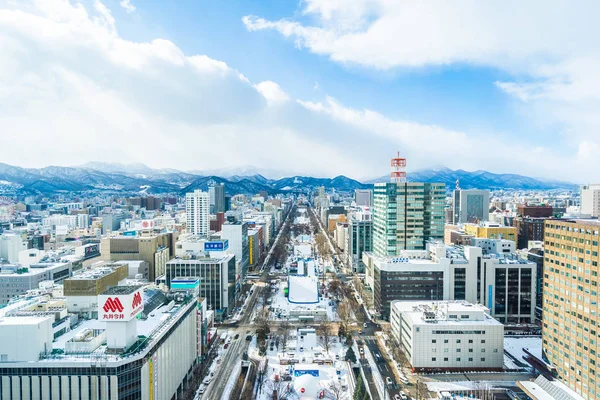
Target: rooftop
x=116, y=290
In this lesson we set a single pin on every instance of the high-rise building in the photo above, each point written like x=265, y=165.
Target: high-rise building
x=570, y=303
x=237, y=235
x=590, y=200
x=470, y=205
x=362, y=197
x=406, y=215
x=219, y=200
x=197, y=210
x=360, y=239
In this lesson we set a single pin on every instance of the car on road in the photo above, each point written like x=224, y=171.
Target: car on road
x=201, y=389
x=388, y=381
x=365, y=325
x=248, y=337
x=237, y=335
x=226, y=345
x=397, y=397
x=403, y=396
x=207, y=380
x=361, y=351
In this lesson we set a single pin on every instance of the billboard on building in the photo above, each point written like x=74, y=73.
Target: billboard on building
x=130, y=233
x=220, y=245
x=147, y=224
x=120, y=307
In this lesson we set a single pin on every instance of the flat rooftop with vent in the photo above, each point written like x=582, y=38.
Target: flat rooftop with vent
x=448, y=335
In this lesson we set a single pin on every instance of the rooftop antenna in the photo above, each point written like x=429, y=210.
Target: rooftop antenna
x=398, y=174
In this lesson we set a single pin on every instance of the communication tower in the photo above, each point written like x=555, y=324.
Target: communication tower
x=398, y=174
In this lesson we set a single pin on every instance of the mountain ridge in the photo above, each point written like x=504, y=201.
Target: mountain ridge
x=139, y=177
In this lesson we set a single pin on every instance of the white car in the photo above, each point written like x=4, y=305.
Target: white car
x=207, y=380
x=202, y=389
x=365, y=325
x=388, y=380
x=403, y=396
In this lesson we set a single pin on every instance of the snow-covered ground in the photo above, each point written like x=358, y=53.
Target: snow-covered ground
x=515, y=345
x=284, y=310
x=307, y=379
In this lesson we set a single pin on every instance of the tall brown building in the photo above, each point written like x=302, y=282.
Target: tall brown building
x=571, y=330
x=156, y=250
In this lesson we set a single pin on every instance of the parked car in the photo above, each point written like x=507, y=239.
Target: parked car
x=397, y=397
x=388, y=381
x=403, y=396
x=202, y=389
x=248, y=337
x=226, y=345
x=207, y=380
x=237, y=335
x=365, y=325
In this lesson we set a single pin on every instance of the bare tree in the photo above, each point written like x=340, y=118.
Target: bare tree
x=281, y=390
x=285, y=335
x=482, y=391
x=345, y=314
x=262, y=329
x=335, y=391
x=335, y=287
x=326, y=335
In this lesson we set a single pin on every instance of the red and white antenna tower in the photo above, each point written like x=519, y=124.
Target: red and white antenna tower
x=398, y=175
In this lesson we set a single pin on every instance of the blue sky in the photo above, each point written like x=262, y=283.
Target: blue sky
x=312, y=87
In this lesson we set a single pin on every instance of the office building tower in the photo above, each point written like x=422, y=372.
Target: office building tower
x=362, y=197
x=570, y=304
x=360, y=239
x=217, y=279
x=406, y=215
x=237, y=235
x=540, y=211
x=504, y=283
x=590, y=200
x=156, y=250
x=197, y=211
x=219, y=198
x=470, y=206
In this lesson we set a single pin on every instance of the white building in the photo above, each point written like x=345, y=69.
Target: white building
x=448, y=335
x=89, y=362
x=197, y=211
x=495, y=246
x=506, y=283
x=10, y=247
x=590, y=200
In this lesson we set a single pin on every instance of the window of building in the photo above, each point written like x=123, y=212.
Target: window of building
x=445, y=358
x=433, y=358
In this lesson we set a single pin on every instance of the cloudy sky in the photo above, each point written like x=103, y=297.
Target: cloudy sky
x=313, y=86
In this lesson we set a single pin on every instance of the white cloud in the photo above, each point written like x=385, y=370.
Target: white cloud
x=550, y=47
x=126, y=4
x=73, y=90
x=272, y=92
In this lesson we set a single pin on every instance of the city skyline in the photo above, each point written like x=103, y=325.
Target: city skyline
x=150, y=81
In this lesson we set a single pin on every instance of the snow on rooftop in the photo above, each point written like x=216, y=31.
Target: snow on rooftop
x=515, y=346
x=303, y=289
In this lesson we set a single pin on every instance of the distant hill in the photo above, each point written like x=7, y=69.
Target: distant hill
x=480, y=180
x=138, y=177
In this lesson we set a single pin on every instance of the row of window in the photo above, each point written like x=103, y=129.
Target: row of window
x=457, y=359
x=457, y=341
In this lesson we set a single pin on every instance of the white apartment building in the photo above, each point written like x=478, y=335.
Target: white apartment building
x=590, y=200
x=448, y=335
x=10, y=247
x=197, y=206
